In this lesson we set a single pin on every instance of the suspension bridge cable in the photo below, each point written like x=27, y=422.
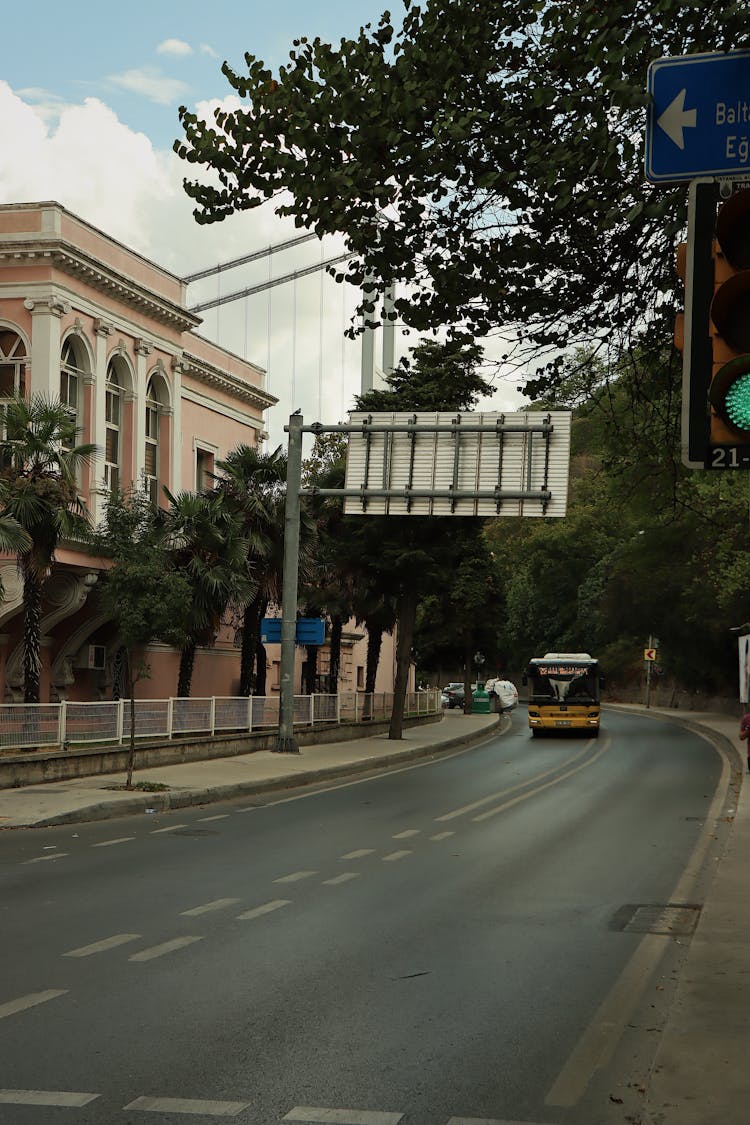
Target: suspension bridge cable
x=240, y=293
x=268, y=250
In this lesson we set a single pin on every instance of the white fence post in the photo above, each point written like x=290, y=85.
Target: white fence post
x=249, y=713
x=212, y=714
x=120, y=720
x=61, y=718
x=338, y=709
x=170, y=716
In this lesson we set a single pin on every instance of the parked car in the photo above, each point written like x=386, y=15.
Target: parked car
x=503, y=693
x=452, y=696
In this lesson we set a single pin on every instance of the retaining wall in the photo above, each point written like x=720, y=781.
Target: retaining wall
x=44, y=765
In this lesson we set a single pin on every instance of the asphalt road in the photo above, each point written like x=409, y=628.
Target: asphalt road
x=458, y=941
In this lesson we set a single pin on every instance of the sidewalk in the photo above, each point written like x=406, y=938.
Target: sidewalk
x=700, y=1074
x=200, y=783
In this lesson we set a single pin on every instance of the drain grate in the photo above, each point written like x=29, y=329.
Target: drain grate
x=673, y=919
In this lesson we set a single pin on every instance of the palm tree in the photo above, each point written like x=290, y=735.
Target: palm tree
x=207, y=545
x=253, y=483
x=38, y=461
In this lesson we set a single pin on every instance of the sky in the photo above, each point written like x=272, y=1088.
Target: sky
x=89, y=97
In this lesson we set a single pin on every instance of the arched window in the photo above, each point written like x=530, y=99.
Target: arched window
x=71, y=381
x=152, y=443
x=71, y=378
x=12, y=363
x=113, y=430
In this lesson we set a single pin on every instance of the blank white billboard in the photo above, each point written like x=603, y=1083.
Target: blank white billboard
x=467, y=464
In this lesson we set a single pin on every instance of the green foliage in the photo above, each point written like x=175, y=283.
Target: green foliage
x=39, y=494
x=647, y=548
x=436, y=376
x=141, y=591
x=489, y=156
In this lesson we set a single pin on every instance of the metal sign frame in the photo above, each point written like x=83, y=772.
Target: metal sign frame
x=452, y=425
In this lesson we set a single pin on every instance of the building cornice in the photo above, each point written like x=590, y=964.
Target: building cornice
x=211, y=376
x=72, y=260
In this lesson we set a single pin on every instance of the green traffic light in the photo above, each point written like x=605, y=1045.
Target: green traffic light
x=737, y=402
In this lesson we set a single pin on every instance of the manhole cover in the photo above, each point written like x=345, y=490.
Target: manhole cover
x=673, y=919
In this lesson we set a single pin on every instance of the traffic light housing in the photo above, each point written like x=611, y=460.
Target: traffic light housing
x=695, y=265
x=714, y=334
x=729, y=394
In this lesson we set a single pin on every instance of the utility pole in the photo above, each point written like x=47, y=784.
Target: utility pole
x=287, y=744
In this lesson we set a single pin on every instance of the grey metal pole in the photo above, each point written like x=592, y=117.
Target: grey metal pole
x=648, y=673
x=389, y=331
x=286, y=743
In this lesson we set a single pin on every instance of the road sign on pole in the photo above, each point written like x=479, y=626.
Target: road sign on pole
x=649, y=654
x=699, y=117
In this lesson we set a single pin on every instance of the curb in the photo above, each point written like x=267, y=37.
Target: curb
x=165, y=801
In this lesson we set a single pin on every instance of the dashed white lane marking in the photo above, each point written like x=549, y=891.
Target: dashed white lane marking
x=45, y=1097
x=442, y=835
x=395, y=855
x=266, y=908
x=42, y=858
x=102, y=946
x=169, y=828
x=11, y=1007
x=319, y=1115
x=406, y=833
x=165, y=947
x=344, y=878
x=188, y=1105
x=219, y=816
x=110, y=843
x=295, y=877
x=217, y=904
x=360, y=852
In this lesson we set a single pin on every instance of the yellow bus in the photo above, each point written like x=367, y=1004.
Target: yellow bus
x=564, y=693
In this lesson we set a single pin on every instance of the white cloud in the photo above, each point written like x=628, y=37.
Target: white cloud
x=174, y=47
x=85, y=158
x=208, y=50
x=152, y=84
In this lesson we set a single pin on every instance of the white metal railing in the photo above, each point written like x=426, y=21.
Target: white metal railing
x=31, y=726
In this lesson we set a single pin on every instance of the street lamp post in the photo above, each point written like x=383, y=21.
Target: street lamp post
x=479, y=661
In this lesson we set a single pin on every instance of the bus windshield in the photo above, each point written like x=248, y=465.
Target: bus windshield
x=560, y=683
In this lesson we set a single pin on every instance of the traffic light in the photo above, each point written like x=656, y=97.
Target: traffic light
x=693, y=332
x=729, y=394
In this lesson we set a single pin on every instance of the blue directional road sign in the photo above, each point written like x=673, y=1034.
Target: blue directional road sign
x=270, y=631
x=699, y=117
x=307, y=631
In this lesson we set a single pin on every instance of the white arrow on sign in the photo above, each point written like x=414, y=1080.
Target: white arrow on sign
x=676, y=118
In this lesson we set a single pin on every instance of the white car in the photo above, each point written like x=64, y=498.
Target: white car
x=506, y=693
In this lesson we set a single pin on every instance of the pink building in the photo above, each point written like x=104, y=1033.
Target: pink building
x=86, y=320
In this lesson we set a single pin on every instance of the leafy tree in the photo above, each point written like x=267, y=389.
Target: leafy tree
x=141, y=592
x=254, y=484
x=409, y=556
x=39, y=457
x=462, y=616
x=329, y=584
x=207, y=547
x=489, y=156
